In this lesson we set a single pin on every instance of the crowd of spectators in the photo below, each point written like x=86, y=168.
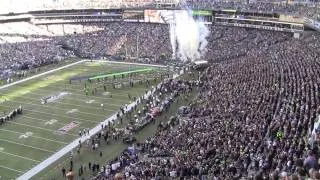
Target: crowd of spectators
x=130, y=39
x=27, y=55
x=295, y=7
x=252, y=118
x=92, y=41
x=298, y=7
x=310, y=9
x=33, y=5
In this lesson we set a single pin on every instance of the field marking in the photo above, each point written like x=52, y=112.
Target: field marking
x=75, y=99
x=53, y=107
x=90, y=101
x=4, y=167
x=26, y=135
x=43, y=120
x=79, y=88
x=22, y=157
x=65, y=87
x=37, y=137
x=123, y=92
x=67, y=117
x=62, y=109
x=79, y=94
x=51, y=122
x=25, y=92
x=83, y=95
x=73, y=111
x=54, y=131
x=41, y=149
x=101, y=83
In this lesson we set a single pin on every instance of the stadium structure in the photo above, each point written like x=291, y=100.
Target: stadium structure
x=118, y=89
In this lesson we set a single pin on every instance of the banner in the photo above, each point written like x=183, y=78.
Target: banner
x=133, y=14
x=229, y=10
x=201, y=13
x=153, y=16
x=161, y=16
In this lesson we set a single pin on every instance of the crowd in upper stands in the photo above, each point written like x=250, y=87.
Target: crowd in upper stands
x=22, y=51
x=309, y=9
x=297, y=7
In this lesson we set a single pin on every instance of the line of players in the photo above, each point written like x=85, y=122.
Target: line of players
x=10, y=115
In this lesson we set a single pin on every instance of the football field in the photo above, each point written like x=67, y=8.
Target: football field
x=58, y=105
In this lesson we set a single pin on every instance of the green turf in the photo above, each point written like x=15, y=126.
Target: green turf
x=31, y=137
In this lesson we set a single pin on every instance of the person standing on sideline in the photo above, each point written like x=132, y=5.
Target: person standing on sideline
x=63, y=172
x=71, y=164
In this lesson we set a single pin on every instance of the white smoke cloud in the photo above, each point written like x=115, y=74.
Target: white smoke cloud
x=188, y=36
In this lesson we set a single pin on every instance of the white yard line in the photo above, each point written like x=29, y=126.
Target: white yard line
x=37, y=137
x=4, y=167
x=50, y=114
x=123, y=94
x=47, y=106
x=22, y=157
x=80, y=87
x=32, y=147
x=40, y=128
x=43, y=120
x=59, y=115
x=67, y=117
x=73, y=99
x=81, y=95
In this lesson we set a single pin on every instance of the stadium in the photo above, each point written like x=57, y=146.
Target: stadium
x=159, y=89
